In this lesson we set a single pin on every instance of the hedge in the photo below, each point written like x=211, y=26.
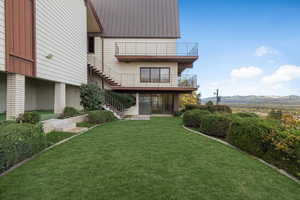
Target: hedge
x=19, y=142
x=69, y=112
x=29, y=117
x=100, y=116
x=210, y=108
x=192, y=118
x=245, y=114
x=261, y=138
x=215, y=125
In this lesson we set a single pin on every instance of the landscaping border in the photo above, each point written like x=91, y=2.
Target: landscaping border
x=281, y=171
x=45, y=150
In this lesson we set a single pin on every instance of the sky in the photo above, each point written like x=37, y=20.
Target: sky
x=246, y=47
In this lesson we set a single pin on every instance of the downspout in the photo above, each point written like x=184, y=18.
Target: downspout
x=102, y=60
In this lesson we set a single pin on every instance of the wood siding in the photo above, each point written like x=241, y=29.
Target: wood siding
x=20, y=36
x=62, y=41
x=2, y=36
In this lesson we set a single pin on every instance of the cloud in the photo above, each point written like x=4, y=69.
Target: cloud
x=283, y=74
x=246, y=72
x=266, y=51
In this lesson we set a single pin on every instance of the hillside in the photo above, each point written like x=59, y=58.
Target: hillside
x=258, y=100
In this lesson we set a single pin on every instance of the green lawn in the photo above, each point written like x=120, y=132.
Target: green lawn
x=45, y=115
x=149, y=160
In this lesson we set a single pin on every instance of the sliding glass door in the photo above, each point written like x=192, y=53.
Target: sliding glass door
x=156, y=104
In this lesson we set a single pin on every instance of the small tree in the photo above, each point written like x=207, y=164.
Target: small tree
x=91, y=96
x=186, y=99
x=275, y=114
x=209, y=103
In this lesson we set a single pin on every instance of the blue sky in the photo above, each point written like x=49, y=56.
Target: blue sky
x=246, y=47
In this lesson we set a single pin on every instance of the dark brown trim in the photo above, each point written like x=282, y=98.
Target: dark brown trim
x=90, y=5
x=136, y=58
x=154, y=89
x=14, y=62
x=141, y=36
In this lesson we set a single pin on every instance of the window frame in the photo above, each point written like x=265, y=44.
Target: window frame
x=89, y=46
x=150, y=80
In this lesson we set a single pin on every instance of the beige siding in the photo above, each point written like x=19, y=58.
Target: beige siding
x=128, y=74
x=2, y=36
x=73, y=97
x=62, y=32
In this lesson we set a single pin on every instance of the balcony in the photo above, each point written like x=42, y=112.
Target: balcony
x=185, y=54
x=133, y=82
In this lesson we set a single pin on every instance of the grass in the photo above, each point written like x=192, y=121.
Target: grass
x=85, y=124
x=144, y=160
x=55, y=137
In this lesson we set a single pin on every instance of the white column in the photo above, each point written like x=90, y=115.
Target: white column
x=137, y=103
x=59, y=98
x=15, y=96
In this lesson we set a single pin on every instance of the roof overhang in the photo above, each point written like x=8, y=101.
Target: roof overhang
x=93, y=22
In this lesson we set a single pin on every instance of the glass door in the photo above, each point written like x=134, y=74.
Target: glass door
x=145, y=104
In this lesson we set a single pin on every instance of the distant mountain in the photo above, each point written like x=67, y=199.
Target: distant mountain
x=291, y=100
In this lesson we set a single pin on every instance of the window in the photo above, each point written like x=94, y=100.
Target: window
x=155, y=75
x=91, y=45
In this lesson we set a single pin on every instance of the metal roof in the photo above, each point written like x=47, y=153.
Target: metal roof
x=138, y=18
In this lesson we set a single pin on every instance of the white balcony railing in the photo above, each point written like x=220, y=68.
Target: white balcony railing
x=156, y=49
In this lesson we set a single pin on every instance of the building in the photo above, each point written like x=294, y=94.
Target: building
x=49, y=48
x=137, y=52
x=43, y=57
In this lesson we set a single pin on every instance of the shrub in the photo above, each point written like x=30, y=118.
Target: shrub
x=215, y=125
x=101, y=116
x=246, y=114
x=91, y=96
x=69, y=112
x=209, y=103
x=29, y=117
x=267, y=141
x=192, y=118
x=275, y=114
x=177, y=113
x=19, y=142
x=126, y=100
x=210, y=108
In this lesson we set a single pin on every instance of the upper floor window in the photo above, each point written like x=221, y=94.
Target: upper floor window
x=155, y=75
x=91, y=44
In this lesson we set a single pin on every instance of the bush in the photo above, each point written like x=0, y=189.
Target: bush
x=192, y=118
x=19, y=142
x=246, y=114
x=29, y=117
x=209, y=103
x=210, y=108
x=91, y=96
x=69, y=112
x=177, y=113
x=215, y=125
x=275, y=114
x=126, y=100
x=267, y=141
x=101, y=116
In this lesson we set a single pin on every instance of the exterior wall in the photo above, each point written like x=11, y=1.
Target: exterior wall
x=39, y=95
x=128, y=74
x=73, y=97
x=2, y=37
x=61, y=32
x=2, y=92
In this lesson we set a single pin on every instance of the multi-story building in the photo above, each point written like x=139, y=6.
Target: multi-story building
x=43, y=57
x=132, y=48
x=138, y=53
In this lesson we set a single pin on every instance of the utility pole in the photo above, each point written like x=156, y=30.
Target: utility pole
x=218, y=98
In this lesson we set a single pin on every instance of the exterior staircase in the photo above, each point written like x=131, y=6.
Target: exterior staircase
x=103, y=75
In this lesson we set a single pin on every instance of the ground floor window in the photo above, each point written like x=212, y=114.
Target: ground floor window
x=156, y=104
